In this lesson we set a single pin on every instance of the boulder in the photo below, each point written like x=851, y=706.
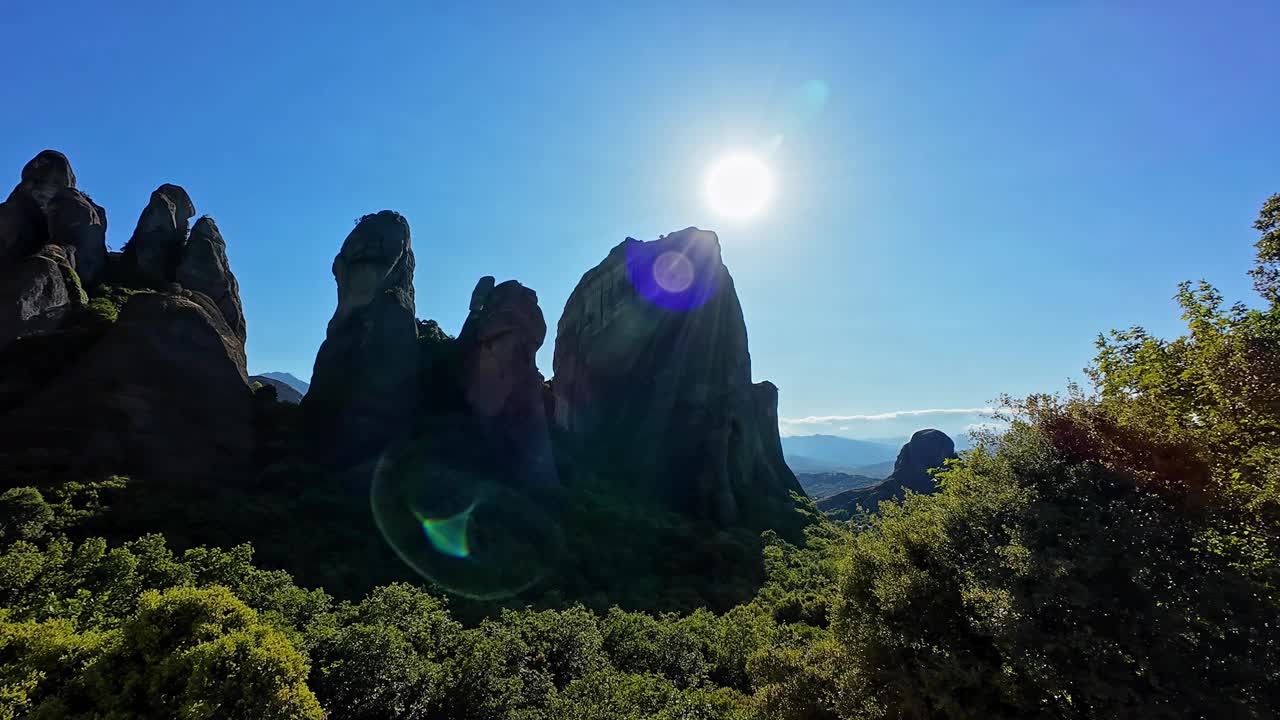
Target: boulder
x=925, y=451
x=39, y=292
x=75, y=221
x=498, y=378
x=652, y=383
x=204, y=269
x=153, y=252
x=44, y=175
x=364, y=386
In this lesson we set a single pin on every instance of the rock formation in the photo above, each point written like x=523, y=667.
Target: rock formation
x=77, y=222
x=364, y=387
x=652, y=383
x=204, y=268
x=154, y=251
x=499, y=380
x=150, y=379
x=39, y=292
x=51, y=237
x=926, y=450
x=163, y=391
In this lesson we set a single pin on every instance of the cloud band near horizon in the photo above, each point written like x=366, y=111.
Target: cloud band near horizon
x=892, y=415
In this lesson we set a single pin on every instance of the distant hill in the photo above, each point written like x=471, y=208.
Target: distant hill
x=927, y=449
x=284, y=391
x=830, y=453
x=879, y=470
x=823, y=485
x=289, y=380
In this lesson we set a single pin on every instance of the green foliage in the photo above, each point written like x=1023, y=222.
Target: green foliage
x=198, y=653
x=1266, y=275
x=24, y=514
x=74, y=287
x=104, y=303
x=1114, y=554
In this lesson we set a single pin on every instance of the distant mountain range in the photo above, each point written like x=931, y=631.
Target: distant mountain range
x=830, y=453
x=816, y=454
x=289, y=380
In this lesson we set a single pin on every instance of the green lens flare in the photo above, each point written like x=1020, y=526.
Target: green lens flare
x=448, y=534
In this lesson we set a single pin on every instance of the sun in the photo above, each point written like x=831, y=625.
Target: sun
x=739, y=186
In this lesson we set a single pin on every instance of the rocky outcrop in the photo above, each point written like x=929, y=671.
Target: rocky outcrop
x=51, y=237
x=364, y=386
x=153, y=253
x=150, y=379
x=375, y=259
x=39, y=292
x=162, y=392
x=24, y=228
x=204, y=268
x=499, y=380
x=77, y=222
x=925, y=451
x=652, y=383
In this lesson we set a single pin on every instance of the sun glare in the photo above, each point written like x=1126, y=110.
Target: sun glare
x=739, y=186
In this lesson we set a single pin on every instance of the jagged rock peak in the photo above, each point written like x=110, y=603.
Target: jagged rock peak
x=364, y=386
x=376, y=257
x=204, y=268
x=24, y=222
x=500, y=383
x=156, y=246
x=44, y=175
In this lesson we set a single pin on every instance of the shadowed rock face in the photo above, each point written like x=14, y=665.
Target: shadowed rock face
x=44, y=175
x=31, y=218
x=130, y=404
x=926, y=450
x=162, y=389
x=204, y=268
x=77, y=222
x=39, y=292
x=51, y=238
x=154, y=251
x=653, y=380
x=375, y=258
x=499, y=379
x=364, y=387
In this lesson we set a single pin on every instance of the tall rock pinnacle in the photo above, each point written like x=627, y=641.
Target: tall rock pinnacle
x=364, y=387
x=653, y=380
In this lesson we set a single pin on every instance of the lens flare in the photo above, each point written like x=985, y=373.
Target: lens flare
x=448, y=535
x=673, y=271
x=681, y=271
x=462, y=526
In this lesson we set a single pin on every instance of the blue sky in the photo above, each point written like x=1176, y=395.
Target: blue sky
x=982, y=192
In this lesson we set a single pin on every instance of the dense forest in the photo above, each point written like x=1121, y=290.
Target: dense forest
x=1113, y=553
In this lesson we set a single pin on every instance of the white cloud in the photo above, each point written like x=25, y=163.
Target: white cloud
x=893, y=415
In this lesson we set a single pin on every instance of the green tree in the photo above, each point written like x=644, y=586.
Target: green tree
x=198, y=653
